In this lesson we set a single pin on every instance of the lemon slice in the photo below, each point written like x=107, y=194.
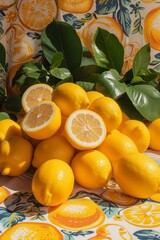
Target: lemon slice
x=36, y=94
x=42, y=121
x=85, y=129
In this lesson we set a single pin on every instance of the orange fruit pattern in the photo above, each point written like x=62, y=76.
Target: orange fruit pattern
x=32, y=231
x=37, y=14
x=143, y=215
x=4, y=193
x=77, y=214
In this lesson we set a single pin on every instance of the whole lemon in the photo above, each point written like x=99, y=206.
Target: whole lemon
x=70, y=97
x=154, y=130
x=115, y=145
x=109, y=110
x=53, y=182
x=138, y=132
x=137, y=175
x=91, y=168
x=15, y=156
x=9, y=128
x=92, y=95
x=55, y=147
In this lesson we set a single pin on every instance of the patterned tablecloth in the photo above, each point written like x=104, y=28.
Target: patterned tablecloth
x=135, y=23
x=101, y=214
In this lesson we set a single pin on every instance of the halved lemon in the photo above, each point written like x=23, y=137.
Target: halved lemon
x=42, y=121
x=85, y=129
x=35, y=94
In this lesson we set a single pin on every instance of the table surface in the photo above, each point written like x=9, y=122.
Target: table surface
x=99, y=214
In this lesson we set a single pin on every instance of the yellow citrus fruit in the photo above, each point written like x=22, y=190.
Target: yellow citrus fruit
x=56, y=146
x=116, y=145
x=32, y=231
x=109, y=110
x=75, y=6
x=137, y=175
x=92, y=95
x=9, y=128
x=36, y=15
x=15, y=156
x=138, y=132
x=4, y=193
x=77, y=214
x=154, y=129
x=85, y=129
x=152, y=28
x=155, y=197
x=106, y=23
x=91, y=168
x=53, y=182
x=42, y=121
x=35, y=94
x=70, y=97
x=145, y=215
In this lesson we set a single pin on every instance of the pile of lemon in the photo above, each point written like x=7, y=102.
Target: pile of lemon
x=69, y=135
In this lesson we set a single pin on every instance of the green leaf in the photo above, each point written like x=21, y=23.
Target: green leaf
x=141, y=60
x=88, y=73
x=56, y=60
x=87, y=86
x=2, y=96
x=62, y=37
x=13, y=103
x=4, y=115
x=109, y=84
x=2, y=55
x=61, y=73
x=128, y=108
x=146, y=99
x=108, y=51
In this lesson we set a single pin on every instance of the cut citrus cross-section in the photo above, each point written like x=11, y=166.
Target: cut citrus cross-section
x=36, y=15
x=35, y=94
x=143, y=215
x=85, y=129
x=42, y=121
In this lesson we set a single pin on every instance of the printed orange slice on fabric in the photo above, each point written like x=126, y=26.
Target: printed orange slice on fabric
x=4, y=193
x=107, y=23
x=35, y=94
x=6, y=3
x=85, y=129
x=118, y=197
x=75, y=6
x=77, y=214
x=42, y=121
x=36, y=15
x=112, y=232
x=32, y=231
x=146, y=215
x=152, y=28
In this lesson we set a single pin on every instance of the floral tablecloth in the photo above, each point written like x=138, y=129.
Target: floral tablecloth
x=100, y=214
x=135, y=23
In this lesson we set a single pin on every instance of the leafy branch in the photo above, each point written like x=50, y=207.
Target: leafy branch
x=64, y=59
